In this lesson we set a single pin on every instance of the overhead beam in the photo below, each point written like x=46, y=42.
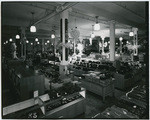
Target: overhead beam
x=125, y=7
x=58, y=10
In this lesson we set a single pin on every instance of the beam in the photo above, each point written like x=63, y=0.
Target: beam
x=57, y=11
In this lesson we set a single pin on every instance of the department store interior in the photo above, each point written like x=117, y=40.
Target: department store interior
x=77, y=60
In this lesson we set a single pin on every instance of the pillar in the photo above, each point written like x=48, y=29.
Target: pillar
x=120, y=47
x=103, y=38
x=64, y=40
x=112, y=40
x=135, y=41
x=43, y=45
x=22, y=41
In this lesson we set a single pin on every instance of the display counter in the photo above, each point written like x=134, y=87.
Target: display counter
x=117, y=112
x=24, y=79
x=68, y=106
x=97, y=85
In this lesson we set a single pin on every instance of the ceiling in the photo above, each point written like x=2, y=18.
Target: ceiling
x=81, y=14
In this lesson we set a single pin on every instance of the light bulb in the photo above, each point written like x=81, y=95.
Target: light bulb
x=48, y=41
x=27, y=41
x=6, y=41
x=17, y=36
x=97, y=26
x=131, y=34
x=36, y=39
x=120, y=38
x=38, y=42
x=10, y=39
x=31, y=43
x=52, y=36
x=127, y=42
x=45, y=43
x=92, y=35
x=32, y=29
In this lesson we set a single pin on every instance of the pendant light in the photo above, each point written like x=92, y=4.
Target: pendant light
x=97, y=25
x=131, y=34
x=36, y=39
x=52, y=36
x=92, y=35
x=10, y=40
x=120, y=38
x=32, y=28
x=27, y=41
x=53, y=32
x=17, y=36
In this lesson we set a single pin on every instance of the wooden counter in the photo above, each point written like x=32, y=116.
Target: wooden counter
x=99, y=88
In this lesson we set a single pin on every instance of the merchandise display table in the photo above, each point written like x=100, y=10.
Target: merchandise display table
x=68, y=106
x=98, y=86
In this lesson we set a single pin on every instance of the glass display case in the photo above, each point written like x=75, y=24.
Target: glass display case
x=46, y=107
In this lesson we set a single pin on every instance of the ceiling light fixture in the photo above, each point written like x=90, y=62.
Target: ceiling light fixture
x=32, y=28
x=31, y=43
x=52, y=36
x=45, y=43
x=120, y=38
x=131, y=34
x=92, y=35
x=97, y=25
x=36, y=39
x=48, y=41
x=27, y=41
x=17, y=36
x=6, y=42
x=10, y=40
x=38, y=42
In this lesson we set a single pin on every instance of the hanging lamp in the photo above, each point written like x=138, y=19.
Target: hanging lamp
x=36, y=39
x=32, y=28
x=17, y=36
x=10, y=40
x=92, y=35
x=120, y=38
x=97, y=25
x=131, y=34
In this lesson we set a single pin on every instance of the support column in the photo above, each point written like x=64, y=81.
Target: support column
x=103, y=38
x=112, y=40
x=135, y=39
x=120, y=47
x=22, y=41
x=64, y=40
x=43, y=45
